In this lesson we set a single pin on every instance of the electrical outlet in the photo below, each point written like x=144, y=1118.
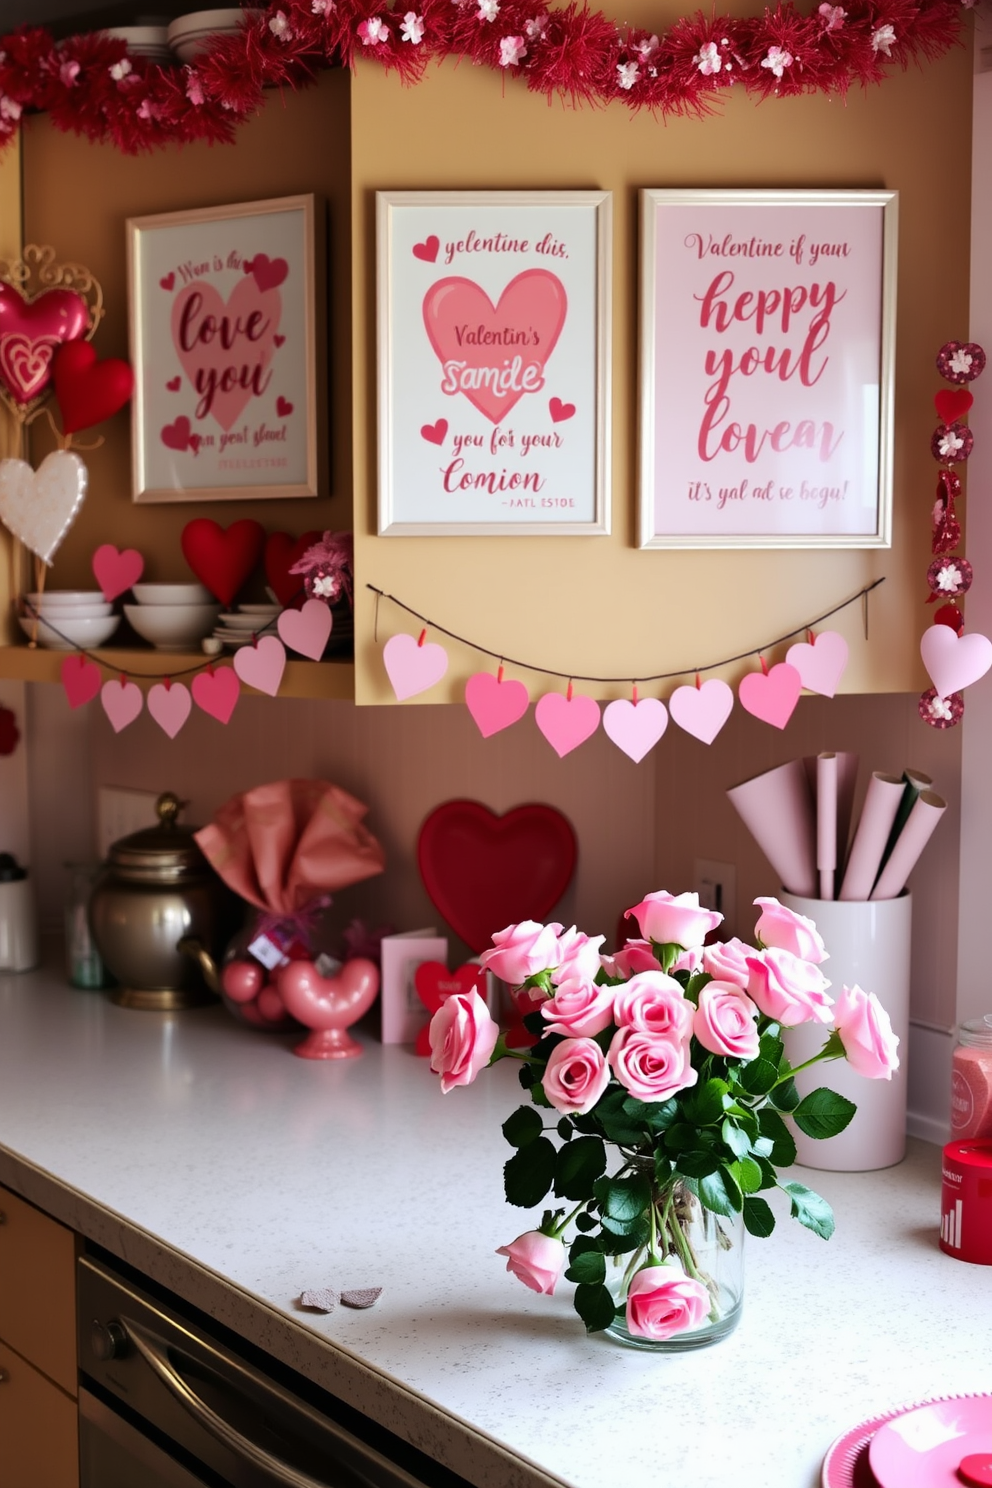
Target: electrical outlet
x=120, y=811
x=716, y=885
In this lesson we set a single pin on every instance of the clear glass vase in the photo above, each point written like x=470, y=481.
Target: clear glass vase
x=708, y=1247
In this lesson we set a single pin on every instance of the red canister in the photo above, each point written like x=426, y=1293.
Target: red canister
x=966, y=1202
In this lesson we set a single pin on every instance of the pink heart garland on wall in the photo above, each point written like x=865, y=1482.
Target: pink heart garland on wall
x=635, y=727
x=494, y=702
x=702, y=711
x=954, y=661
x=566, y=722
x=217, y=692
x=412, y=667
x=820, y=664
x=122, y=702
x=773, y=695
x=116, y=572
x=169, y=706
x=80, y=679
x=263, y=664
x=306, y=630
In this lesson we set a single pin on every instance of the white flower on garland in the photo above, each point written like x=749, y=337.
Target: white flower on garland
x=279, y=26
x=777, y=61
x=960, y=362
x=9, y=108
x=512, y=50
x=373, y=31
x=647, y=48
x=708, y=59
x=120, y=70
x=833, y=16
x=940, y=708
x=412, y=28
x=627, y=74
x=883, y=40
x=949, y=443
x=488, y=10
x=68, y=73
x=194, y=88
x=949, y=579
x=535, y=29
x=149, y=111
x=322, y=7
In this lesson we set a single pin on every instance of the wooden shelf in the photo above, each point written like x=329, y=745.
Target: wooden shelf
x=310, y=679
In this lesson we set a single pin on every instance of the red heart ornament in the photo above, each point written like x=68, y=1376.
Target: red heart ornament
x=435, y=984
x=222, y=558
x=953, y=403
x=30, y=333
x=281, y=552
x=88, y=391
x=484, y=871
x=216, y=692
x=960, y=361
x=81, y=680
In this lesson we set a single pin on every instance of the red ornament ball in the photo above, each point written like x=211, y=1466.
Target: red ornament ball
x=949, y=614
x=941, y=713
x=951, y=443
x=960, y=362
x=950, y=577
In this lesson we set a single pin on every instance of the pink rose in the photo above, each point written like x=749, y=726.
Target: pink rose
x=866, y=1033
x=674, y=919
x=785, y=930
x=578, y=956
x=663, y=1301
x=690, y=961
x=724, y=1021
x=649, y=1066
x=579, y=1009
x=727, y=961
x=653, y=1003
x=575, y=1076
x=463, y=1037
x=535, y=1259
x=632, y=957
x=787, y=989
x=521, y=951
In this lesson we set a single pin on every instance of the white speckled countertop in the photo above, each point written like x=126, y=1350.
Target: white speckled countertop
x=208, y=1156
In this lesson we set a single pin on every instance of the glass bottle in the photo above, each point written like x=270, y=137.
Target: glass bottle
x=971, y=1080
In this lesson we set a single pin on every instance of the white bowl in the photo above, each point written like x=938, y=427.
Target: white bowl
x=189, y=35
x=143, y=41
x=51, y=598
x=260, y=609
x=246, y=622
x=55, y=613
x=172, y=627
x=172, y=594
x=71, y=634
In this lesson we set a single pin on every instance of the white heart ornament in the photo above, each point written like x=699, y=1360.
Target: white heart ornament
x=39, y=506
x=954, y=661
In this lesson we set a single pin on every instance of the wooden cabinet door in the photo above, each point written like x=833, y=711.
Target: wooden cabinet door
x=38, y=1290
x=39, y=1445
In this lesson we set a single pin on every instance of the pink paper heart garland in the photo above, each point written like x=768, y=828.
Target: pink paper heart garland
x=115, y=571
x=635, y=727
x=821, y=662
x=413, y=666
x=216, y=692
x=495, y=703
x=122, y=702
x=263, y=664
x=306, y=630
x=170, y=706
x=566, y=722
x=80, y=679
x=954, y=661
x=773, y=695
x=702, y=711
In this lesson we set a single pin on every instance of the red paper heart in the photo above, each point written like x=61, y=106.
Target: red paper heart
x=435, y=984
x=88, y=391
x=281, y=552
x=30, y=332
x=427, y=250
x=484, y=872
x=222, y=558
x=81, y=680
x=953, y=403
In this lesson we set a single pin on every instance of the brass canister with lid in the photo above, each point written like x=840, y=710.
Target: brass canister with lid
x=156, y=889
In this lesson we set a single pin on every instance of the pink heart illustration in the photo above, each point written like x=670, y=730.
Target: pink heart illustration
x=80, y=679
x=820, y=665
x=268, y=273
x=954, y=661
x=413, y=668
x=427, y=250
x=169, y=706
x=772, y=696
x=263, y=664
x=434, y=433
x=566, y=722
x=174, y=384
x=115, y=572
x=122, y=702
x=702, y=711
x=217, y=692
x=635, y=727
x=283, y=407
x=494, y=703
x=177, y=436
x=306, y=630
x=279, y=340
x=168, y=281
x=560, y=411
x=225, y=347
x=495, y=353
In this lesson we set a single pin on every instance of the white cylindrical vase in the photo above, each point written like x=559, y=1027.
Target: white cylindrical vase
x=868, y=944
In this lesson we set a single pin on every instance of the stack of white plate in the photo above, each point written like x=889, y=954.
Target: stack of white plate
x=150, y=42
x=174, y=617
x=189, y=35
x=68, y=619
x=236, y=627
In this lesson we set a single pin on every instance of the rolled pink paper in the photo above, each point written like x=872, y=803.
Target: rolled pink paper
x=877, y=815
x=847, y=779
x=826, y=822
x=927, y=810
x=777, y=809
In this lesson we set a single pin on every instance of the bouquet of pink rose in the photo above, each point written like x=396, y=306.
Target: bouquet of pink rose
x=662, y=1071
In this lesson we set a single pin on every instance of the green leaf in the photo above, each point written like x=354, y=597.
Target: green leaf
x=662, y=1167
x=758, y=1218
x=703, y=1106
x=529, y=1174
x=565, y=1129
x=584, y=1245
x=681, y=1138
x=697, y=1164
x=735, y=1138
x=589, y=1268
x=585, y=1221
x=719, y=1192
x=785, y=1096
x=655, y=1115
x=823, y=1113
x=695, y=985
x=810, y=1210
x=623, y=1198
x=526, y=1076
x=595, y=1307
x=524, y=1126
x=580, y=1162
x=748, y=1175
x=616, y=1124
x=783, y=1150
x=769, y=1177
x=759, y=1076
x=620, y=1235
x=771, y=1047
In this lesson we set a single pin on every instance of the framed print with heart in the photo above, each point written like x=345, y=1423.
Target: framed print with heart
x=493, y=362
x=767, y=352
x=227, y=316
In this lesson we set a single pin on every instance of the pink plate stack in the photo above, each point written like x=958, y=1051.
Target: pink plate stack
x=940, y=1443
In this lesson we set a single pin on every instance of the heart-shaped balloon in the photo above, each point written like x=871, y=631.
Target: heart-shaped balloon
x=281, y=552
x=31, y=330
x=222, y=558
x=39, y=506
x=88, y=391
x=328, y=1005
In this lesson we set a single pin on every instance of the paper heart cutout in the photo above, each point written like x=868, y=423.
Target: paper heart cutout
x=560, y=411
x=434, y=984
x=427, y=250
x=30, y=332
x=535, y=299
x=254, y=301
x=702, y=711
x=281, y=552
x=80, y=680
x=953, y=403
x=217, y=692
x=169, y=706
x=821, y=664
x=960, y=361
x=39, y=506
x=635, y=727
x=771, y=696
x=483, y=871
x=122, y=702
x=495, y=704
x=263, y=664
x=115, y=571
x=952, y=661
x=328, y=1005
x=566, y=722
x=434, y=433
x=222, y=558
x=88, y=391
x=306, y=630
x=268, y=273
x=413, y=668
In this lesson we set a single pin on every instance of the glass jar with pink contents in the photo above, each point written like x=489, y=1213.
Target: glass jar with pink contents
x=971, y=1080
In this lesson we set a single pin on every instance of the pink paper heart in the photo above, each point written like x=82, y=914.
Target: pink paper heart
x=306, y=630
x=263, y=664
x=228, y=367
x=954, y=661
x=702, y=711
x=820, y=665
x=494, y=703
x=534, y=302
x=122, y=702
x=115, y=572
x=80, y=679
x=635, y=727
x=169, y=706
x=566, y=722
x=217, y=692
x=772, y=696
x=413, y=668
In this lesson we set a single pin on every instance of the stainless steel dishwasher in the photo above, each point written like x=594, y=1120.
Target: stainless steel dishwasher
x=165, y=1402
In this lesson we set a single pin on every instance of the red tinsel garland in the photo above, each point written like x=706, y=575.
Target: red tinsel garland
x=91, y=85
